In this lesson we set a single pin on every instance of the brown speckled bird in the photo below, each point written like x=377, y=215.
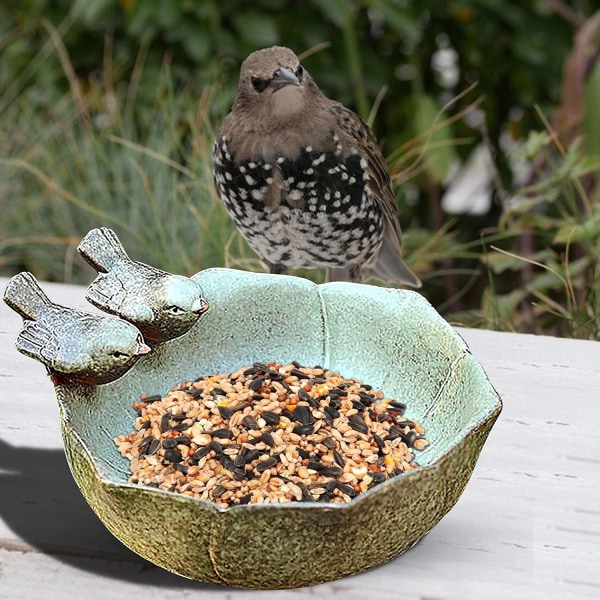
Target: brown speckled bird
x=303, y=177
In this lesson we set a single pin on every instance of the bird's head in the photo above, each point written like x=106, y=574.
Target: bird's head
x=274, y=88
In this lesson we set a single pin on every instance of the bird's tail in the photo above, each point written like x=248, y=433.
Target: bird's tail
x=24, y=295
x=102, y=249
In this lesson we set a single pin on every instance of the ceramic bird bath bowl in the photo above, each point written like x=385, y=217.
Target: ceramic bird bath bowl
x=392, y=339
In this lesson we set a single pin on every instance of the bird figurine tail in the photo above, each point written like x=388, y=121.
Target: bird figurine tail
x=25, y=296
x=102, y=249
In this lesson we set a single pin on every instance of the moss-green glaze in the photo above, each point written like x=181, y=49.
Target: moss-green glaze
x=392, y=339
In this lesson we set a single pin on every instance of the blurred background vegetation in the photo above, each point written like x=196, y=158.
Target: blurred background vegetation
x=488, y=112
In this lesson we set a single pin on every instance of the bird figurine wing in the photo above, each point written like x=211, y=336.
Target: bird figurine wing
x=38, y=340
x=102, y=249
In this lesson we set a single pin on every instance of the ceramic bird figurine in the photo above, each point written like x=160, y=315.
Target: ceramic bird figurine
x=303, y=177
x=163, y=306
x=74, y=345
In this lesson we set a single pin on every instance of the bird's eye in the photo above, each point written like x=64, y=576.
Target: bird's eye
x=175, y=310
x=118, y=355
x=299, y=72
x=258, y=84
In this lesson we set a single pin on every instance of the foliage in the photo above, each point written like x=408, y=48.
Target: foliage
x=108, y=110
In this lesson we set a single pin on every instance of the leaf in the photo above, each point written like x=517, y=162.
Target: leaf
x=588, y=231
x=437, y=147
x=591, y=121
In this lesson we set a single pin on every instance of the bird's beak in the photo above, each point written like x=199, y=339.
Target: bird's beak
x=200, y=306
x=143, y=348
x=282, y=78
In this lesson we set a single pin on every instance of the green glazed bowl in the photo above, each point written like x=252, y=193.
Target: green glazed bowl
x=391, y=339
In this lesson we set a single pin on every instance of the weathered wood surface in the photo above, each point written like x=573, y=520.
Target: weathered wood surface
x=527, y=525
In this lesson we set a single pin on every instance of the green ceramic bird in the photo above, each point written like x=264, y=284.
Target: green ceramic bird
x=163, y=306
x=74, y=345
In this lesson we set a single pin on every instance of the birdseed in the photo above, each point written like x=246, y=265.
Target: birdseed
x=270, y=433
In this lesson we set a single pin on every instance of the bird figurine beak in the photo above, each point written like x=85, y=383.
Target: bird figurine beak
x=200, y=306
x=143, y=348
x=282, y=78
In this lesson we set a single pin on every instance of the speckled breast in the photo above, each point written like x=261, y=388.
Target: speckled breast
x=315, y=210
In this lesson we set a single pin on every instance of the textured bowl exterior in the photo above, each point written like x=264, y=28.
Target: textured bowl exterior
x=392, y=339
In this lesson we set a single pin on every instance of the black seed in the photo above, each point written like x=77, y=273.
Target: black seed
x=338, y=391
x=303, y=395
x=302, y=415
x=400, y=407
x=332, y=412
x=239, y=406
x=146, y=425
x=172, y=455
x=246, y=498
x=332, y=471
x=358, y=424
x=339, y=459
x=164, y=422
x=325, y=497
x=315, y=465
x=347, y=489
x=329, y=443
x=239, y=461
x=257, y=397
x=143, y=445
x=251, y=455
x=182, y=468
x=172, y=488
x=218, y=491
x=288, y=414
x=214, y=445
x=186, y=440
x=226, y=434
x=256, y=384
x=152, y=484
x=250, y=371
x=267, y=438
x=181, y=417
x=367, y=399
x=318, y=380
x=225, y=412
x=153, y=398
x=261, y=366
x=378, y=477
x=217, y=391
x=196, y=392
x=328, y=419
x=315, y=402
x=238, y=474
x=192, y=461
x=304, y=454
x=335, y=402
x=303, y=429
x=299, y=374
x=367, y=387
x=249, y=422
x=381, y=417
x=331, y=486
x=380, y=443
x=153, y=447
x=226, y=462
x=266, y=464
x=409, y=438
x=306, y=495
x=358, y=405
x=270, y=417
x=201, y=452
x=169, y=443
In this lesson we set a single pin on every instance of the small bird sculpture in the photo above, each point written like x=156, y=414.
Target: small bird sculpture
x=74, y=345
x=163, y=306
x=303, y=177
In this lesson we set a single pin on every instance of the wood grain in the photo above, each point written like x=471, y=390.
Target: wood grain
x=527, y=525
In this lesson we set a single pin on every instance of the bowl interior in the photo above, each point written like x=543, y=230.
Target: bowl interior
x=391, y=339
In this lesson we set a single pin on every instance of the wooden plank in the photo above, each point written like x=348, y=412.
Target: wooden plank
x=527, y=526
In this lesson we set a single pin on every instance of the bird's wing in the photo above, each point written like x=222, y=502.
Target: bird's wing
x=38, y=340
x=102, y=249
x=389, y=265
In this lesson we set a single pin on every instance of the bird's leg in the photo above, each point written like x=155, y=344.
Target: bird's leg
x=351, y=273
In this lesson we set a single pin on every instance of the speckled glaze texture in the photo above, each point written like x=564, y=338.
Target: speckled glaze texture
x=392, y=339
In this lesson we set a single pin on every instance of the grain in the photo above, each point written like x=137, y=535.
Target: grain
x=270, y=433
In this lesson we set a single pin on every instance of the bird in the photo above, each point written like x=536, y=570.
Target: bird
x=163, y=306
x=303, y=178
x=75, y=346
